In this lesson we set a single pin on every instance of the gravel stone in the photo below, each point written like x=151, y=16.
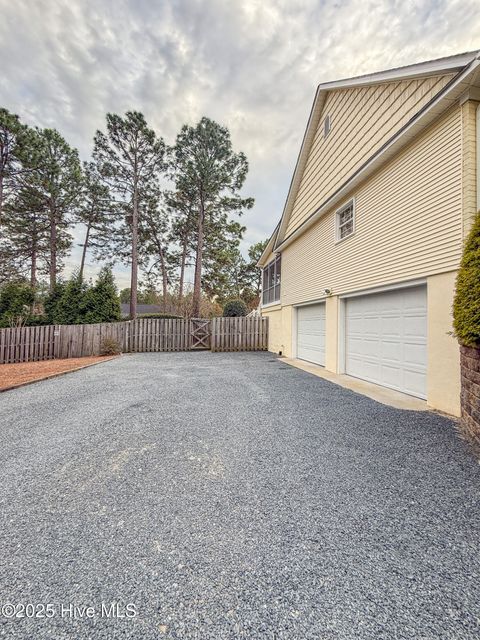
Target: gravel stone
x=230, y=496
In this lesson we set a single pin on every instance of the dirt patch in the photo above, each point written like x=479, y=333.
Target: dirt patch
x=13, y=375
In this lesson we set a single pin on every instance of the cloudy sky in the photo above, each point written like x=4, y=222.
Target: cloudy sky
x=253, y=65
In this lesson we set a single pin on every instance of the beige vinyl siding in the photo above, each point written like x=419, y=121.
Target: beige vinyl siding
x=469, y=176
x=362, y=120
x=408, y=223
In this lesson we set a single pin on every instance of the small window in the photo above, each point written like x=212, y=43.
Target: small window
x=326, y=126
x=345, y=223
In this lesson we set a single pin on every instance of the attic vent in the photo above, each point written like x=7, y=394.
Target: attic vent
x=327, y=125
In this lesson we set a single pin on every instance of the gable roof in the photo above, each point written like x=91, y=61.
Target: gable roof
x=466, y=67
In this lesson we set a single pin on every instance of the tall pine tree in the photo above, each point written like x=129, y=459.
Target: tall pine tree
x=96, y=212
x=58, y=182
x=130, y=157
x=18, y=155
x=26, y=226
x=203, y=163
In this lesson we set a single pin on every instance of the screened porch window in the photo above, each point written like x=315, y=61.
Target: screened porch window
x=271, y=281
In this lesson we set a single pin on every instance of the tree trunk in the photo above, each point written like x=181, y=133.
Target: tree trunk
x=163, y=266
x=197, y=284
x=1, y=199
x=182, y=268
x=53, y=249
x=33, y=267
x=84, y=252
x=164, y=278
x=33, y=273
x=134, y=277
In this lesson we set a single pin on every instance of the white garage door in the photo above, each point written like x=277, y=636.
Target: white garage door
x=311, y=333
x=386, y=339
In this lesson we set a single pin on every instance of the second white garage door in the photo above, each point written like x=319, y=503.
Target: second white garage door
x=386, y=339
x=311, y=333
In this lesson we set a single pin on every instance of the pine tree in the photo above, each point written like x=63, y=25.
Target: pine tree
x=70, y=308
x=182, y=208
x=96, y=212
x=52, y=299
x=204, y=164
x=26, y=227
x=101, y=302
x=253, y=273
x=130, y=158
x=155, y=234
x=223, y=262
x=18, y=155
x=58, y=181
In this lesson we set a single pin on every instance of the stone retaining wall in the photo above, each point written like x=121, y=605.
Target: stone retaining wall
x=470, y=397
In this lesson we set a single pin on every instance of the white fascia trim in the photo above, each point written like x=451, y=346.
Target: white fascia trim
x=418, y=282
x=422, y=69
x=302, y=157
x=268, y=249
x=423, y=118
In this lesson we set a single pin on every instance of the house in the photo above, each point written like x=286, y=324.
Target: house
x=359, y=275
x=142, y=309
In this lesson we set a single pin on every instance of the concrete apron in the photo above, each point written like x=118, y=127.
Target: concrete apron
x=386, y=396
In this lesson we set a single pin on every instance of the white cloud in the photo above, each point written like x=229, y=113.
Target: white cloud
x=251, y=64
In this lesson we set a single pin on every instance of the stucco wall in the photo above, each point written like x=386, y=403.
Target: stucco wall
x=443, y=353
x=279, y=329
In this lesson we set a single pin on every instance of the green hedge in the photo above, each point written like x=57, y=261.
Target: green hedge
x=466, y=305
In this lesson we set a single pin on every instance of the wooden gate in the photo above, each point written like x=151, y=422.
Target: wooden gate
x=199, y=333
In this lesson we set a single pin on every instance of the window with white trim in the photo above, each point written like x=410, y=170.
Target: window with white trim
x=271, y=281
x=345, y=221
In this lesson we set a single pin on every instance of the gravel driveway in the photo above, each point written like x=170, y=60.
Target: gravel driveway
x=232, y=496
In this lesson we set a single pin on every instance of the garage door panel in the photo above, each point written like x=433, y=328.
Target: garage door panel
x=311, y=333
x=414, y=326
x=364, y=326
x=390, y=326
x=371, y=368
x=386, y=339
x=413, y=380
x=361, y=348
x=390, y=351
x=415, y=354
x=391, y=375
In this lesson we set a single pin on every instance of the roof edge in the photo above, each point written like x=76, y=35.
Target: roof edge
x=419, y=69
x=269, y=248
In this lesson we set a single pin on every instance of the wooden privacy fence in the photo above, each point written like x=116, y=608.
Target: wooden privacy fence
x=26, y=344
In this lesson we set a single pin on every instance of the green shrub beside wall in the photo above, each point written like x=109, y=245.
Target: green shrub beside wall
x=466, y=305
